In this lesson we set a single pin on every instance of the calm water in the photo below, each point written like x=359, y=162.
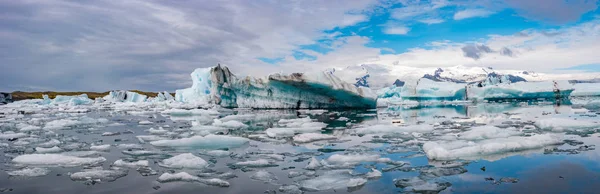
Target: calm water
x=569, y=167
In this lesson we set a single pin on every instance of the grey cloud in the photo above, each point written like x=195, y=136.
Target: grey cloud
x=475, y=51
x=150, y=45
x=507, y=52
x=553, y=11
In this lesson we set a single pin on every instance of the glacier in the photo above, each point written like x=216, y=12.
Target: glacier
x=217, y=85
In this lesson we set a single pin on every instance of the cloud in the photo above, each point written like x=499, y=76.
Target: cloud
x=153, y=45
x=475, y=51
x=397, y=29
x=526, y=50
x=431, y=21
x=471, y=13
x=554, y=11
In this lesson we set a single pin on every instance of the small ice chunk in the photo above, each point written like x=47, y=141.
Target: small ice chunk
x=186, y=160
x=218, y=153
x=255, y=163
x=102, y=175
x=101, y=148
x=140, y=152
x=474, y=150
x=130, y=146
x=30, y=172
x=311, y=137
x=111, y=133
x=51, y=143
x=264, y=176
x=356, y=182
x=206, y=142
x=28, y=128
x=55, y=160
x=41, y=150
x=149, y=138
x=314, y=164
x=127, y=164
x=158, y=131
x=343, y=119
x=352, y=158
x=565, y=124
x=373, y=174
x=145, y=123
x=184, y=176
x=291, y=189
x=12, y=135
x=232, y=124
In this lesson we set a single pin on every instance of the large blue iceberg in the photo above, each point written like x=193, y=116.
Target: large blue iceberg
x=217, y=85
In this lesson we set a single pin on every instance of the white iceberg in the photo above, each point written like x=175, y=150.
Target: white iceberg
x=322, y=90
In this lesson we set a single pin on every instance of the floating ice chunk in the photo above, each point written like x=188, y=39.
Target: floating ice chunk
x=123, y=163
x=102, y=175
x=336, y=179
x=12, y=135
x=352, y=158
x=418, y=185
x=343, y=119
x=313, y=164
x=55, y=160
x=593, y=105
x=311, y=137
x=51, y=143
x=206, y=142
x=41, y=150
x=130, y=146
x=184, y=176
x=140, y=152
x=145, y=123
x=383, y=129
x=102, y=148
x=427, y=89
x=264, y=176
x=218, y=153
x=586, y=89
x=30, y=172
x=183, y=112
x=255, y=163
x=81, y=153
x=291, y=189
x=565, y=124
x=232, y=124
x=27, y=128
x=488, y=132
x=149, y=138
x=373, y=174
x=158, y=131
x=111, y=133
x=473, y=150
x=356, y=182
x=288, y=132
x=186, y=160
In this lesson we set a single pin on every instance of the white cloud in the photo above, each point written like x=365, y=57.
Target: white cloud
x=471, y=13
x=537, y=50
x=397, y=29
x=431, y=21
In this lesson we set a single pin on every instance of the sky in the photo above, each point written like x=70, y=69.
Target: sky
x=68, y=45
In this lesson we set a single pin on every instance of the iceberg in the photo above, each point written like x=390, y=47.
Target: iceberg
x=521, y=90
x=55, y=160
x=186, y=160
x=217, y=85
x=427, y=89
x=586, y=89
x=125, y=96
x=5, y=98
x=68, y=100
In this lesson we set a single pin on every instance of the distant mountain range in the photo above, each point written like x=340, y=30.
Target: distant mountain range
x=378, y=76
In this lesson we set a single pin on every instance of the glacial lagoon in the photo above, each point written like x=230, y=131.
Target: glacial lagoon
x=501, y=147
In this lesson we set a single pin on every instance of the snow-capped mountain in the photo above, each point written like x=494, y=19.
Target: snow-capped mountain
x=378, y=76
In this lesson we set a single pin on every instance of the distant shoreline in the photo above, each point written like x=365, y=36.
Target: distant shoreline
x=19, y=95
